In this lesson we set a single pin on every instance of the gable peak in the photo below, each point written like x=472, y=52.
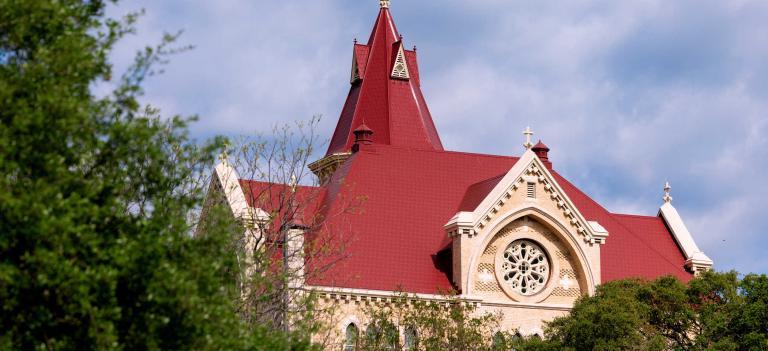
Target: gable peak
x=400, y=66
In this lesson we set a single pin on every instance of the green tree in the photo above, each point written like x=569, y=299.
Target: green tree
x=447, y=324
x=95, y=197
x=715, y=311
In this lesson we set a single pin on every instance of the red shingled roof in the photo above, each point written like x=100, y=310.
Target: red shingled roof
x=299, y=206
x=636, y=247
x=410, y=194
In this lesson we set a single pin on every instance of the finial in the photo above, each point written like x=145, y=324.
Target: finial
x=293, y=183
x=400, y=36
x=224, y=155
x=667, y=198
x=528, y=134
x=355, y=40
x=384, y=4
x=414, y=48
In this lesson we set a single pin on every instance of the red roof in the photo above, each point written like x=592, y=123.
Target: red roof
x=395, y=109
x=637, y=246
x=299, y=206
x=410, y=194
x=411, y=187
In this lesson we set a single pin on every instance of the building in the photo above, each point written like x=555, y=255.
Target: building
x=506, y=232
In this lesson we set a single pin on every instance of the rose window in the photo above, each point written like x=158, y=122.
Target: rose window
x=525, y=267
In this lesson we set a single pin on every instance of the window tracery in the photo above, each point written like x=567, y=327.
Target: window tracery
x=525, y=268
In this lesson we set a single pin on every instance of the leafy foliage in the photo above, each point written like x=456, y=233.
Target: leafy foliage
x=95, y=197
x=716, y=311
x=447, y=324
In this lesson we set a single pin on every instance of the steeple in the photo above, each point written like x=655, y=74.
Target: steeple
x=385, y=94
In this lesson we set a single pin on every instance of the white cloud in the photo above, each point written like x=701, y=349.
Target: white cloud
x=626, y=93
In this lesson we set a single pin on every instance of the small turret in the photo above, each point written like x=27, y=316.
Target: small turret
x=542, y=151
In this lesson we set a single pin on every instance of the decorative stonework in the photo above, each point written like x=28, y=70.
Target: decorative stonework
x=536, y=174
x=400, y=68
x=525, y=267
x=355, y=76
x=326, y=166
x=561, y=284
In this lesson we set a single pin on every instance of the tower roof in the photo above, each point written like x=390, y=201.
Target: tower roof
x=385, y=94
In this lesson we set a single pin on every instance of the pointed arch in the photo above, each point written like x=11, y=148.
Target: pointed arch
x=560, y=230
x=351, y=337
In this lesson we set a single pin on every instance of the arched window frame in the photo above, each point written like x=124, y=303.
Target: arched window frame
x=351, y=337
x=410, y=338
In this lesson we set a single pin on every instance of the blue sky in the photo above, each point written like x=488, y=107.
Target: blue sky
x=627, y=94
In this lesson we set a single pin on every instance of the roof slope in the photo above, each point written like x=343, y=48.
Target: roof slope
x=395, y=109
x=638, y=246
x=410, y=194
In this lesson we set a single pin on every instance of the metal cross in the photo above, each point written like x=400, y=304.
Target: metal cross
x=528, y=134
x=667, y=198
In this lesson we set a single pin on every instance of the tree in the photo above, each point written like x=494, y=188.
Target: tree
x=95, y=197
x=715, y=311
x=288, y=235
x=445, y=324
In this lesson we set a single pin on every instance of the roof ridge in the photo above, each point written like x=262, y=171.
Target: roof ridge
x=299, y=186
x=378, y=146
x=633, y=215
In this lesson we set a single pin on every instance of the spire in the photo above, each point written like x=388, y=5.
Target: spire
x=385, y=92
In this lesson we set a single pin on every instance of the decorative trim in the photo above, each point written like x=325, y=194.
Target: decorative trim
x=367, y=297
x=326, y=166
x=400, y=66
x=529, y=168
x=233, y=192
x=545, y=218
x=696, y=260
x=351, y=295
x=554, y=267
x=355, y=76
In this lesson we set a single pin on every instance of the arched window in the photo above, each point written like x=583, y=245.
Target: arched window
x=410, y=338
x=351, y=335
x=383, y=337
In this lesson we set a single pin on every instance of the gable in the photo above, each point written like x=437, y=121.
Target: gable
x=528, y=175
x=399, y=64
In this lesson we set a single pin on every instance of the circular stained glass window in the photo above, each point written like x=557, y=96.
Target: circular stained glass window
x=525, y=267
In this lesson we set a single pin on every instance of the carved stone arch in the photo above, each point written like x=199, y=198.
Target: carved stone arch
x=560, y=230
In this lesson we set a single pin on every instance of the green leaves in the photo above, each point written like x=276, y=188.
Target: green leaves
x=448, y=324
x=715, y=311
x=96, y=250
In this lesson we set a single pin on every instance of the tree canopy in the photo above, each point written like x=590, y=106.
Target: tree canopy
x=96, y=249
x=716, y=311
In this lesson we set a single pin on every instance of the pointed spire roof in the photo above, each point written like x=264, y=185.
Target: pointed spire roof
x=385, y=94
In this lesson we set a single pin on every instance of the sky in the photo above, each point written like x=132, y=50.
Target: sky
x=627, y=94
